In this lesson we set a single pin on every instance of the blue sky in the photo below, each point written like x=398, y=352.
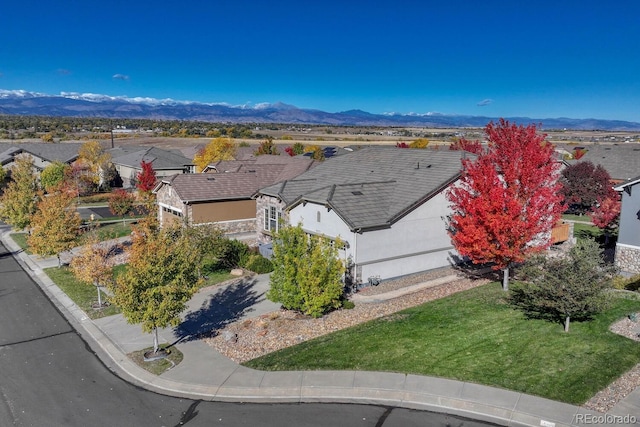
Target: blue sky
x=540, y=59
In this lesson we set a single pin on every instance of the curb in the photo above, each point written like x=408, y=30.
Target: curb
x=242, y=384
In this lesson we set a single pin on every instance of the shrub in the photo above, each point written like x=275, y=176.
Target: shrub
x=232, y=253
x=627, y=283
x=258, y=264
x=348, y=304
x=307, y=272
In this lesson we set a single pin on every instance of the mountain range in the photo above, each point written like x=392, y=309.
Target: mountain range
x=20, y=102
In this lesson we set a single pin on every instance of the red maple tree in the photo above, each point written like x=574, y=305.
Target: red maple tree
x=474, y=147
x=507, y=199
x=606, y=214
x=146, y=179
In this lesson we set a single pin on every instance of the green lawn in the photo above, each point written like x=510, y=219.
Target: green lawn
x=476, y=336
x=105, y=232
x=21, y=240
x=572, y=217
x=82, y=294
x=215, y=277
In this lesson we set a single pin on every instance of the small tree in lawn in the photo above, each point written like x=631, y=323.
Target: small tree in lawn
x=91, y=265
x=55, y=225
x=507, y=199
x=161, y=278
x=307, y=274
x=121, y=203
x=20, y=197
x=565, y=286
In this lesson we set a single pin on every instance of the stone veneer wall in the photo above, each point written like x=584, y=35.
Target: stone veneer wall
x=236, y=227
x=168, y=197
x=263, y=202
x=628, y=259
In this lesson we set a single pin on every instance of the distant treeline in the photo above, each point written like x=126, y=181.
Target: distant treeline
x=54, y=129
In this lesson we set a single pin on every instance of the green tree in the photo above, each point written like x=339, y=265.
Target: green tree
x=161, y=278
x=55, y=225
x=565, y=286
x=307, y=272
x=18, y=203
x=53, y=175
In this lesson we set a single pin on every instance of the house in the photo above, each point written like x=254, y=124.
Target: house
x=127, y=159
x=387, y=205
x=42, y=154
x=627, y=255
x=223, y=195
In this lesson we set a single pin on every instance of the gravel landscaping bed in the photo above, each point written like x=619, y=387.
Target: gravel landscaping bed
x=606, y=399
x=245, y=340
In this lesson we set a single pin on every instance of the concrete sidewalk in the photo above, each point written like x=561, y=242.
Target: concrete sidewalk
x=206, y=374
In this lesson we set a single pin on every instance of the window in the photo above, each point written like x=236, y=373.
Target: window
x=172, y=211
x=272, y=218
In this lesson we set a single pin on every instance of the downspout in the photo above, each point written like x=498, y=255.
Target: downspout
x=354, y=253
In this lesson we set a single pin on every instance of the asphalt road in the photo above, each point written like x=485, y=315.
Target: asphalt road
x=50, y=377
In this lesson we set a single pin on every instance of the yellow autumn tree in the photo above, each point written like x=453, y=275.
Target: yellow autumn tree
x=97, y=160
x=419, y=143
x=19, y=200
x=91, y=265
x=55, y=225
x=218, y=149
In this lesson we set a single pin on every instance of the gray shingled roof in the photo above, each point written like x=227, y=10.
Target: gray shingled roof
x=622, y=161
x=374, y=186
x=240, y=182
x=132, y=156
x=65, y=152
x=203, y=187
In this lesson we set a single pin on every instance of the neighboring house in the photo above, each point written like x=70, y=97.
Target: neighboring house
x=622, y=161
x=224, y=195
x=127, y=160
x=42, y=154
x=627, y=257
x=387, y=205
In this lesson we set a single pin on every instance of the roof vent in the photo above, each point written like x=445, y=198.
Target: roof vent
x=357, y=193
x=210, y=178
